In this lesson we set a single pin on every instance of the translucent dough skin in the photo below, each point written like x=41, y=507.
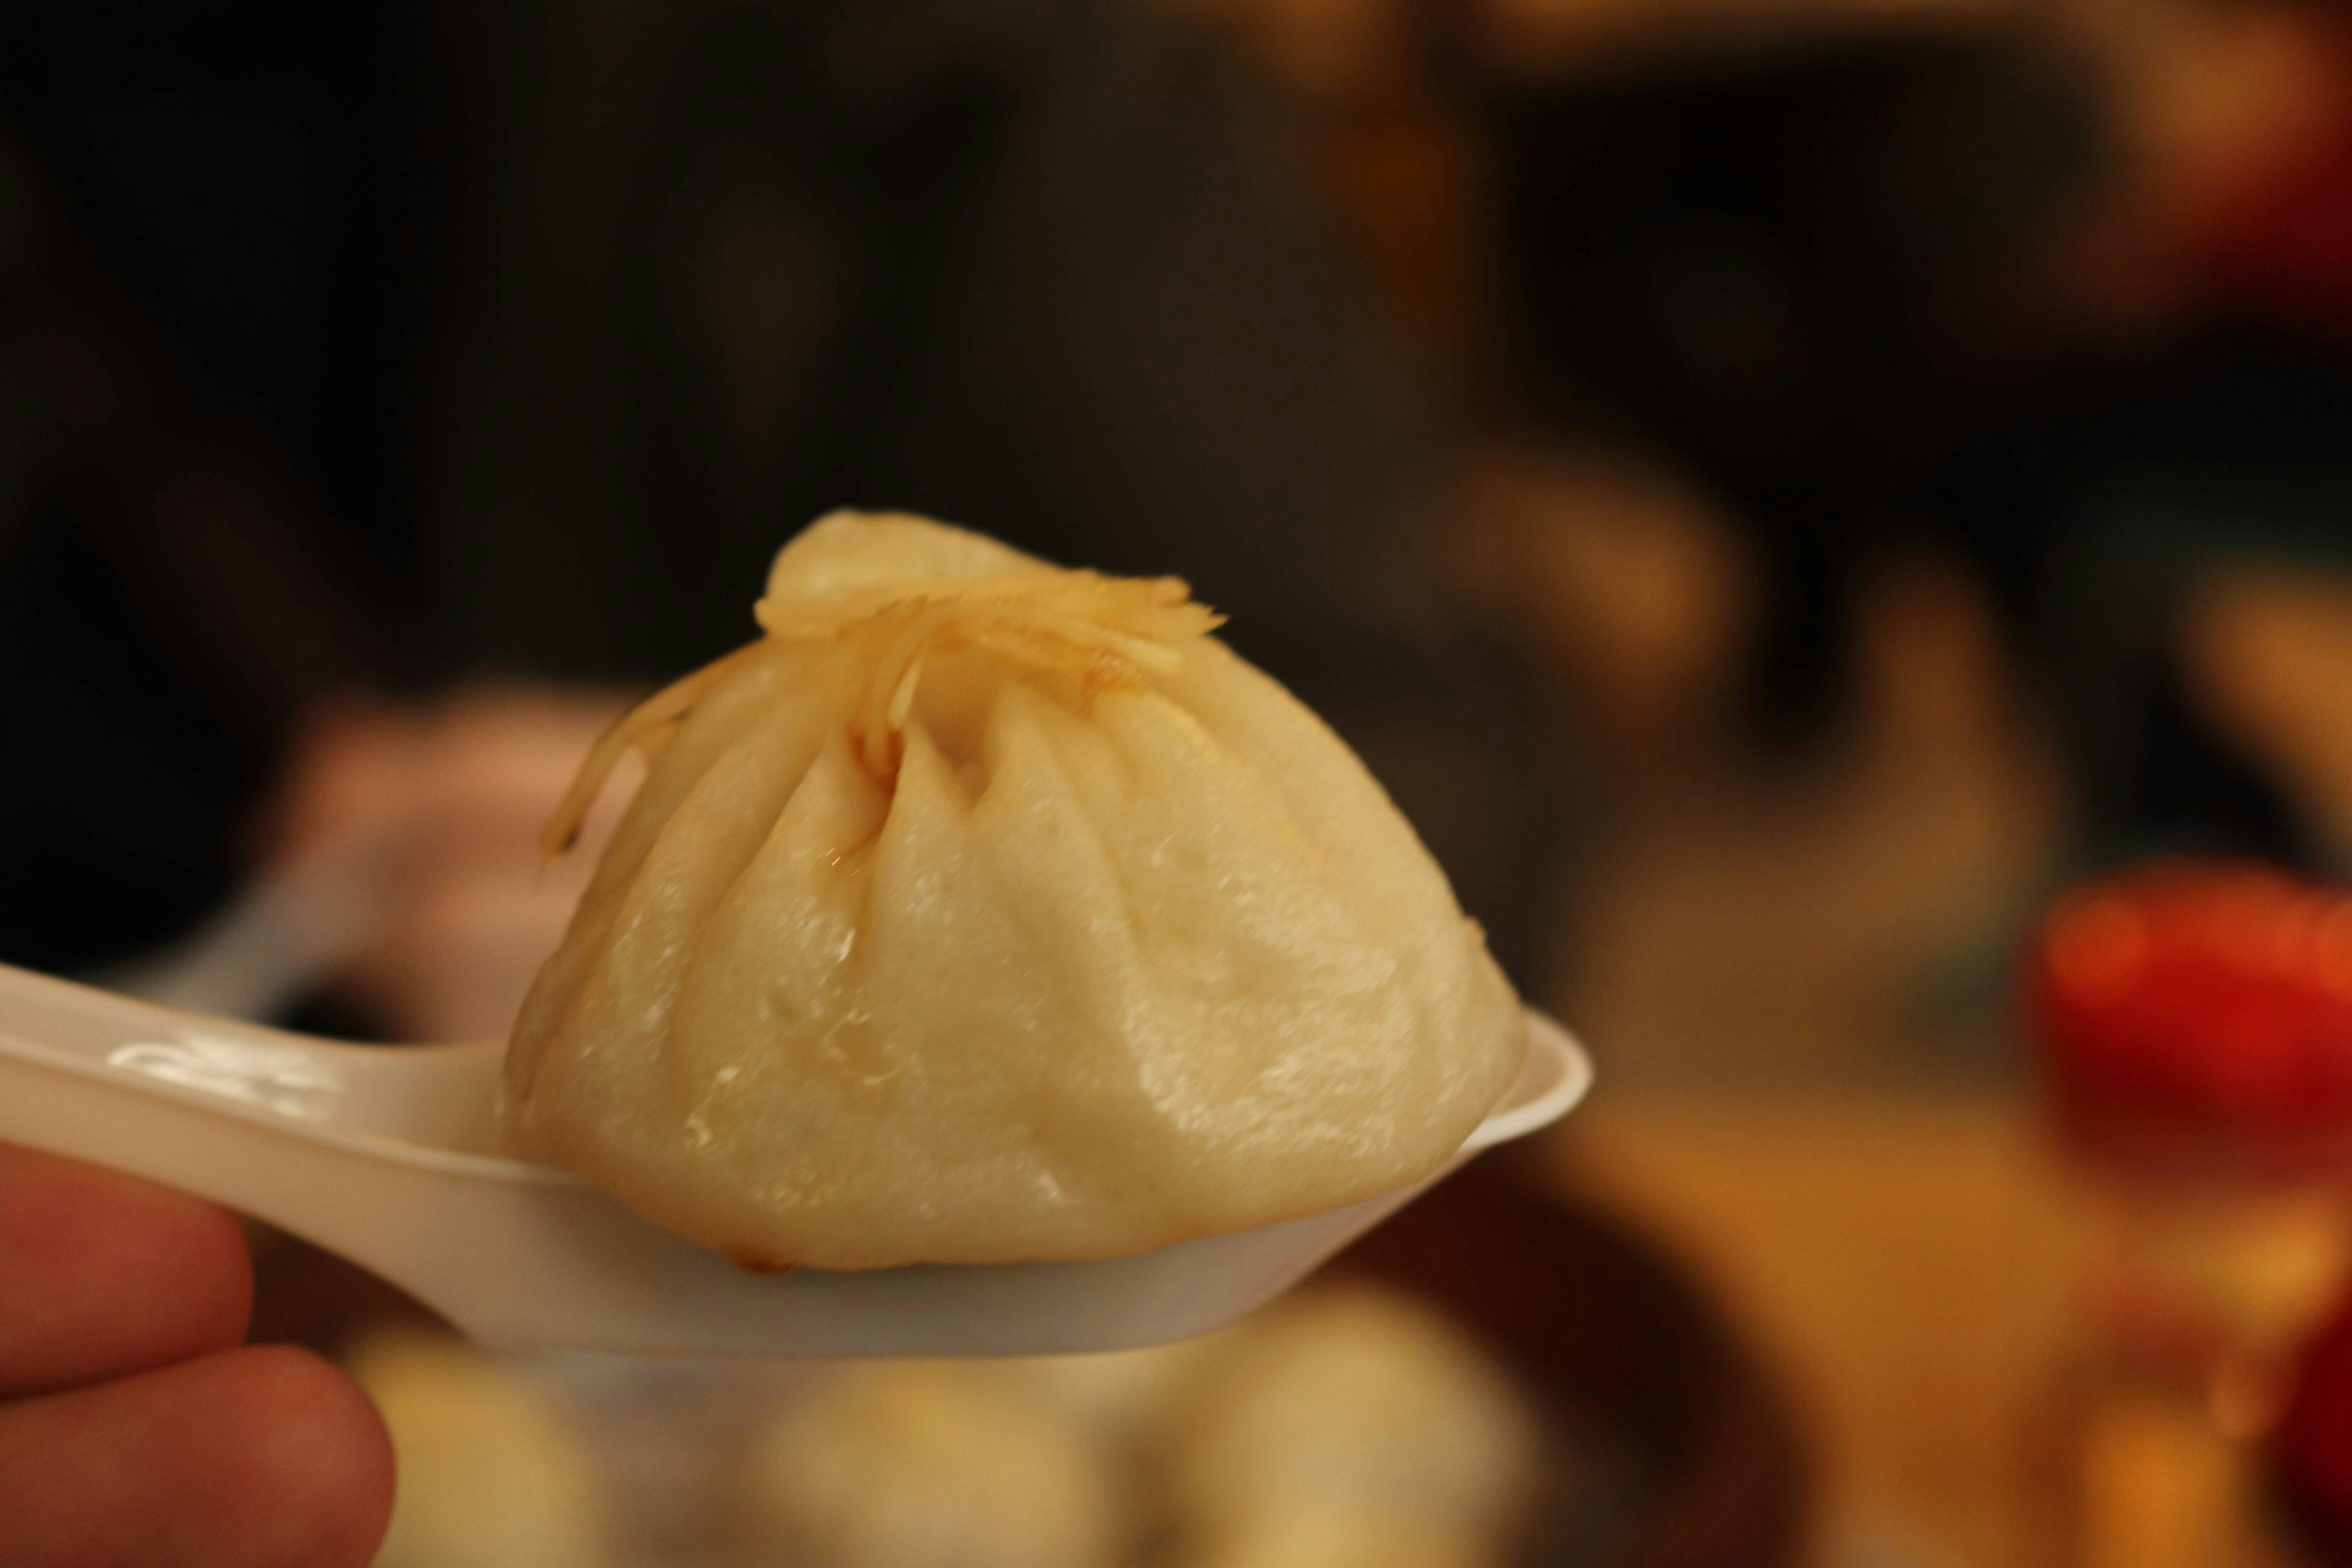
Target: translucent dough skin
x=1098, y=970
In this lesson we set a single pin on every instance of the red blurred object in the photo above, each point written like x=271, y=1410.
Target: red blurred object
x=2312, y=1447
x=2197, y=1018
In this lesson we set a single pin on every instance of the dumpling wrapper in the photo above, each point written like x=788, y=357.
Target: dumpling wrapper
x=985, y=911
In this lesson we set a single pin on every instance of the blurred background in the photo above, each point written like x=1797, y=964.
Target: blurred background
x=1833, y=516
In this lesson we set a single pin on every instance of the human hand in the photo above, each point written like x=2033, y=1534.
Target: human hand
x=135, y=1429
x=435, y=808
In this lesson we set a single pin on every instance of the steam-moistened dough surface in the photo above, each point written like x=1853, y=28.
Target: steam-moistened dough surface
x=985, y=911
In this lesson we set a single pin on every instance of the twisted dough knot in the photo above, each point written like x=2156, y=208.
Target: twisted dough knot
x=1091, y=632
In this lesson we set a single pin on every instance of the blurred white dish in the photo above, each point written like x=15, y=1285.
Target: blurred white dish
x=388, y=1157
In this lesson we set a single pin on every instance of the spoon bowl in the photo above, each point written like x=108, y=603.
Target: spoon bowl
x=389, y=1157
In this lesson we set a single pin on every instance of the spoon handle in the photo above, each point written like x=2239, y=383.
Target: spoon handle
x=98, y=1023
x=78, y=1099
x=225, y=1110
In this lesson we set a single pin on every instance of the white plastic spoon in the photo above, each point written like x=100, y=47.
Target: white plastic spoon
x=389, y=1157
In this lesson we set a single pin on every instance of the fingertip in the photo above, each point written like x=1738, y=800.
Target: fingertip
x=313, y=1479
x=201, y=1249
x=110, y=1275
x=264, y=1456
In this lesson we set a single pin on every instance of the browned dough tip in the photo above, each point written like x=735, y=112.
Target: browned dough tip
x=755, y=1262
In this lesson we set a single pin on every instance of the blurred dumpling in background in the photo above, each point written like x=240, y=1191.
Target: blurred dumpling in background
x=924, y=1465
x=1326, y=1538
x=493, y=1473
x=1349, y=1426
x=1352, y=1402
x=1124, y=1400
